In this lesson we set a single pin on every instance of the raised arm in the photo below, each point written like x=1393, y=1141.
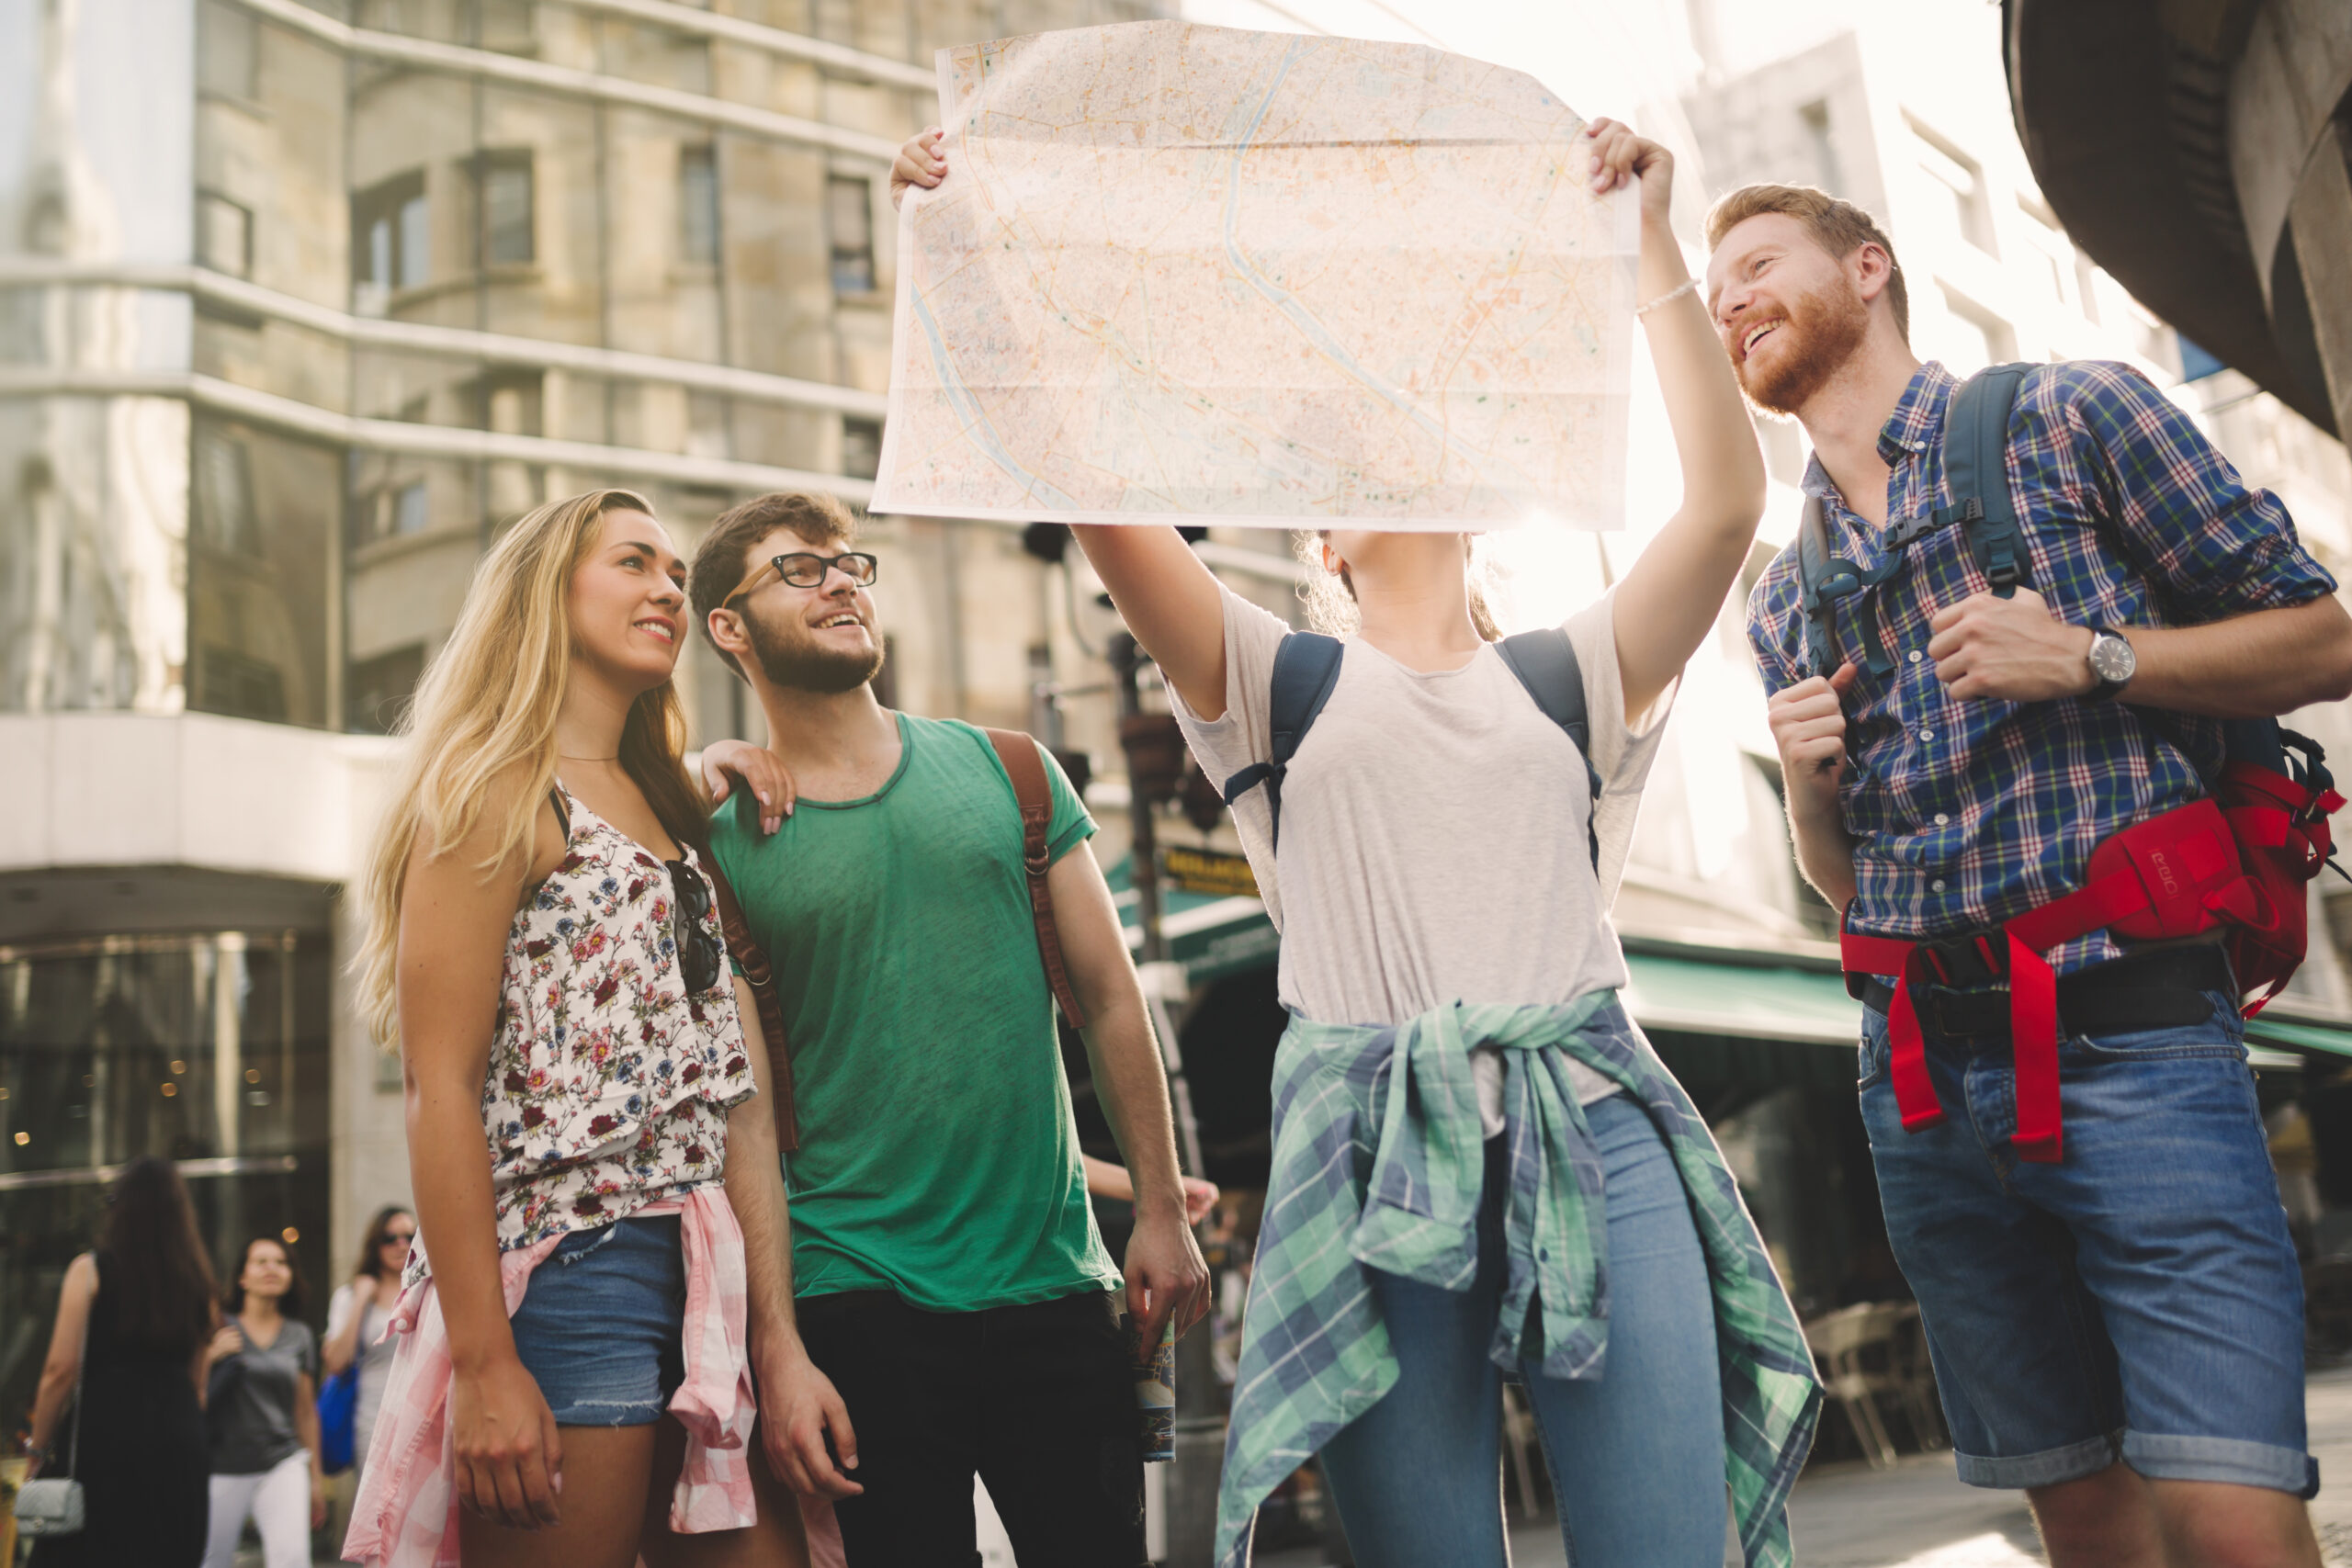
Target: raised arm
x=454, y=920
x=1169, y=601
x=1668, y=601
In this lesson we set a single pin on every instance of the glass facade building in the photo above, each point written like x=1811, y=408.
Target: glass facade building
x=299, y=304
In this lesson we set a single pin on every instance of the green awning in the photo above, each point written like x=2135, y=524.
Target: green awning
x=1741, y=999
x=1211, y=937
x=2268, y=1029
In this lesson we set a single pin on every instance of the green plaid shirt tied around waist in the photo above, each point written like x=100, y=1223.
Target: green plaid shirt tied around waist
x=1379, y=1162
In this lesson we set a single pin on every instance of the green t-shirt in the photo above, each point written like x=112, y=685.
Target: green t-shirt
x=937, y=1153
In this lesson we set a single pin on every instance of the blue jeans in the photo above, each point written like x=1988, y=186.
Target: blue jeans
x=2139, y=1301
x=1635, y=1456
x=602, y=1327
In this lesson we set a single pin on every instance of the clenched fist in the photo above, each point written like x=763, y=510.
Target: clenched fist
x=1808, y=724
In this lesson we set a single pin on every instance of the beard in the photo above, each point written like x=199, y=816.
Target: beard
x=1824, y=328
x=795, y=661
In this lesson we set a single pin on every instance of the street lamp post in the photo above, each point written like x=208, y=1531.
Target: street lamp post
x=1155, y=753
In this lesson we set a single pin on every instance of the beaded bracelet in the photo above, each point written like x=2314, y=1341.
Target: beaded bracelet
x=1669, y=297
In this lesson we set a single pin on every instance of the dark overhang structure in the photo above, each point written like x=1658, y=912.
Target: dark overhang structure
x=2147, y=122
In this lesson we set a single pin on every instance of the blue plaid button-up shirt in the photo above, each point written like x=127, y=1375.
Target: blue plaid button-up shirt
x=1967, y=813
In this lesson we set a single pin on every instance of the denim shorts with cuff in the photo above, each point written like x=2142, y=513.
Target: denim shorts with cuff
x=602, y=1326
x=2139, y=1301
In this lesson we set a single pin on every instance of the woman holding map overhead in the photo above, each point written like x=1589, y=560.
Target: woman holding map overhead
x=1481, y=1170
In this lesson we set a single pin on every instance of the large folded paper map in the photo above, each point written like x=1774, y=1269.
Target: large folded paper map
x=1182, y=273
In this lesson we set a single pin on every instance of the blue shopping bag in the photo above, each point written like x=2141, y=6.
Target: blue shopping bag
x=338, y=1416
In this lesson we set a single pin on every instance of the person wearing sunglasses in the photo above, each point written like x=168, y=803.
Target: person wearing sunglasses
x=357, y=1314
x=952, y=1299
x=588, y=1296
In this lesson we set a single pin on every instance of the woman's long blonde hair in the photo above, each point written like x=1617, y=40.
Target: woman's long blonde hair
x=1331, y=596
x=485, y=711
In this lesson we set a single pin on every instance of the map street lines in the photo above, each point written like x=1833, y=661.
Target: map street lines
x=1181, y=272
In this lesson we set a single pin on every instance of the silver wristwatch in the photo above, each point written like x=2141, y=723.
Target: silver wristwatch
x=2112, y=664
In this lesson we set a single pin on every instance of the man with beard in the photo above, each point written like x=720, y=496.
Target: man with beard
x=2115, y=1319
x=951, y=1291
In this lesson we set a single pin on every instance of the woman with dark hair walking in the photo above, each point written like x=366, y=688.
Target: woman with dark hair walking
x=262, y=1406
x=132, y=1322
x=359, y=1314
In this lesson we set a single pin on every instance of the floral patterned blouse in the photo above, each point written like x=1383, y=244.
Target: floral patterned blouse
x=608, y=1083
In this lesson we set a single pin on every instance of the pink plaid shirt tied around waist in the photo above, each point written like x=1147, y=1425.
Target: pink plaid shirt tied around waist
x=406, y=1513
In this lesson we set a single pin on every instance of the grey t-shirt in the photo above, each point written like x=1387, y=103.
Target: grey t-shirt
x=249, y=1401
x=1433, y=841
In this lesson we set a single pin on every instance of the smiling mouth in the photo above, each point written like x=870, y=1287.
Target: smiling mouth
x=844, y=619
x=1757, y=335
x=661, y=629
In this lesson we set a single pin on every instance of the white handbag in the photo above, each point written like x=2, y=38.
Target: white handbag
x=56, y=1505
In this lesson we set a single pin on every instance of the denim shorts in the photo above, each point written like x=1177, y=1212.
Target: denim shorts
x=602, y=1327
x=2139, y=1301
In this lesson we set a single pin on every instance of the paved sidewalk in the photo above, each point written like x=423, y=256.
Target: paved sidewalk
x=1917, y=1514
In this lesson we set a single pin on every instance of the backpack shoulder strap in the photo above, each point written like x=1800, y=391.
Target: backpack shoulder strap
x=1977, y=468
x=1545, y=662
x=1307, y=668
x=753, y=961
x=1026, y=768
x=1822, y=580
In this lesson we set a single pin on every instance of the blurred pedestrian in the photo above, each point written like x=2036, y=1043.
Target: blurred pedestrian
x=359, y=1314
x=594, y=1166
x=133, y=1324
x=955, y=1302
x=2048, y=608
x=261, y=1404
x=1460, y=1084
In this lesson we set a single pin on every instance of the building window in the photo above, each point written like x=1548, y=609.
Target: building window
x=224, y=234
x=2050, y=241
x=511, y=403
x=698, y=204
x=849, y=219
x=1962, y=181
x=391, y=239
x=1979, y=337
x=379, y=688
x=505, y=188
x=226, y=50
x=1815, y=115
x=225, y=494
x=510, y=27
x=861, y=447
x=240, y=686
x=210, y=1049
x=2087, y=276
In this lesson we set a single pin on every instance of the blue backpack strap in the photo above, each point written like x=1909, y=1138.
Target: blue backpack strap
x=1545, y=662
x=1307, y=666
x=1822, y=580
x=1976, y=470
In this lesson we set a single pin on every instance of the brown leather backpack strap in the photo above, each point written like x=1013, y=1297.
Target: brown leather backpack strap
x=756, y=974
x=1026, y=767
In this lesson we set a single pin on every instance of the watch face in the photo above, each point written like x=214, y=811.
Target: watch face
x=2112, y=658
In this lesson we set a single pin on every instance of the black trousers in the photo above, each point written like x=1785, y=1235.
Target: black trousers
x=1038, y=1400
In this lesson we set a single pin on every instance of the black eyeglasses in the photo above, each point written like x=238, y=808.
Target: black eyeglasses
x=803, y=569
x=700, y=955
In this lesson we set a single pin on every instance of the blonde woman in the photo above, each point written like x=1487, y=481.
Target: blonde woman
x=585, y=1125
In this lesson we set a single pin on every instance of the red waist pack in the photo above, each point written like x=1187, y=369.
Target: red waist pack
x=2238, y=860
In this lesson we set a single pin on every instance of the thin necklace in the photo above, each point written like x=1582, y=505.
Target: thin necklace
x=568, y=757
